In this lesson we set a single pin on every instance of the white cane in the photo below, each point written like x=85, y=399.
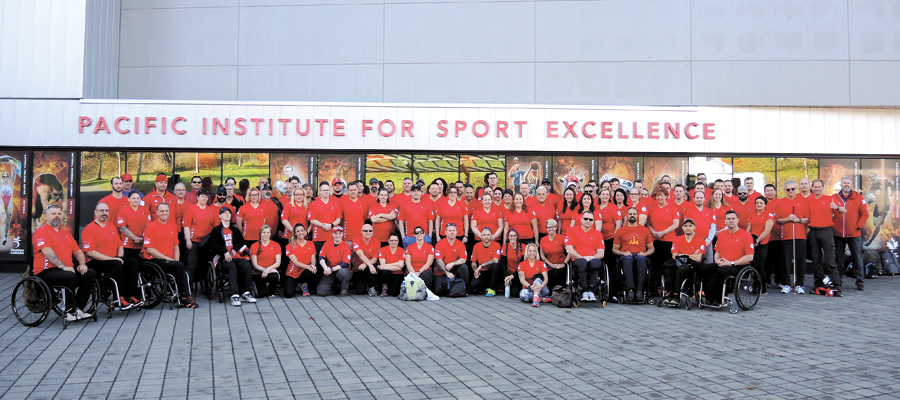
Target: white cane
x=793, y=255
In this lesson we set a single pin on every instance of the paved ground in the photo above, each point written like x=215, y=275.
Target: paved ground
x=790, y=346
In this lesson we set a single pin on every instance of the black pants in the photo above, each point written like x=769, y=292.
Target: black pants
x=775, y=264
x=176, y=269
x=428, y=277
x=760, y=254
x=841, y=243
x=715, y=290
x=283, y=242
x=557, y=277
x=441, y=282
x=196, y=255
x=392, y=280
x=79, y=284
x=239, y=271
x=363, y=279
x=125, y=274
x=133, y=253
x=326, y=283
x=266, y=286
x=676, y=275
x=485, y=278
x=610, y=259
x=290, y=284
x=587, y=272
x=821, y=244
x=662, y=252
x=794, y=251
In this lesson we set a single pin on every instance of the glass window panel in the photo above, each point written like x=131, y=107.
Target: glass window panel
x=880, y=179
x=474, y=168
x=655, y=168
x=626, y=169
x=283, y=166
x=346, y=167
x=575, y=170
x=429, y=167
x=762, y=170
x=713, y=167
x=144, y=166
x=794, y=169
x=389, y=167
x=205, y=165
x=525, y=169
x=241, y=166
x=831, y=170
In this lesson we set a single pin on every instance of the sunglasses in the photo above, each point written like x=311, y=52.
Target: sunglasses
x=197, y=182
x=587, y=219
x=701, y=179
x=742, y=194
x=367, y=230
x=790, y=189
x=419, y=233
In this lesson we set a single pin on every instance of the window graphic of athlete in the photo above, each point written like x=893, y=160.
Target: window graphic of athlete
x=881, y=190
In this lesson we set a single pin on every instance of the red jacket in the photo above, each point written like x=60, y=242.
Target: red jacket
x=849, y=224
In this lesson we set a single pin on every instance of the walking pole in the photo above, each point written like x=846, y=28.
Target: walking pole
x=793, y=254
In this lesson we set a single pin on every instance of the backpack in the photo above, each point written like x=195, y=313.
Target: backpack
x=891, y=264
x=561, y=296
x=413, y=289
x=456, y=288
x=872, y=261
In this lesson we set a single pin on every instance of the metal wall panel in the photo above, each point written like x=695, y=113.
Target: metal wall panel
x=875, y=29
x=770, y=82
x=310, y=82
x=138, y=4
x=101, y=52
x=179, y=37
x=510, y=83
x=874, y=83
x=651, y=83
x=207, y=83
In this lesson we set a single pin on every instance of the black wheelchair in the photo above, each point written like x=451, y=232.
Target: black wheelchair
x=109, y=294
x=651, y=292
x=601, y=291
x=157, y=286
x=32, y=299
x=744, y=289
x=687, y=287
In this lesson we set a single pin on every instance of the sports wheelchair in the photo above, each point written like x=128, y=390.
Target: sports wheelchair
x=109, y=294
x=573, y=281
x=651, y=292
x=157, y=286
x=32, y=299
x=740, y=291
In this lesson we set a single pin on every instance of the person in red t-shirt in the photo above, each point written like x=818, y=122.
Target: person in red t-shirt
x=197, y=224
x=415, y=212
x=663, y=220
x=584, y=245
x=265, y=257
x=488, y=215
x=705, y=221
x=450, y=258
x=743, y=205
x=131, y=222
x=383, y=215
x=792, y=213
x=158, y=195
x=567, y=209
x=324, y=215
x=522, y=219
x=103, y=249
x=532, y=275
x=365, y=261
x=553, y=254
x=687, y=255
x=301, y=269
x=420, y=257
x=161, y=248
x=760, y=223
x=637, y=202
x=485, y=264
x=544, y=211
x=452, y=210
x=391, y=261
x=633, y=243
x=54, y=249
x=354, y=210
x=115, y=200
x=227, y=242
x=734, y=250
x=822, y=210
x=334, y=260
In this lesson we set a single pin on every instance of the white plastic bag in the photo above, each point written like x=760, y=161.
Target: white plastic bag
x=431, y=296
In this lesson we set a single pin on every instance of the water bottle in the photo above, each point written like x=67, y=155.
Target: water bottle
x=506, y=292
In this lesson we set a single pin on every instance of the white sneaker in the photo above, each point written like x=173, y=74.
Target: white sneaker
x=586, y=296
x=235, y=300
x=71, y=317
x=247, y=298
x=593, y=299
x=800, y=290
x=826, y=282
x=81, y=314
x=785, y=289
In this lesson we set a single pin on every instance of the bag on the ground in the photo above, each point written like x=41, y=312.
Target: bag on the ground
x=456, y=288
x=561, y=296
x=28, y=295
x=413, y=289
x=872, y=262
x=891, y=264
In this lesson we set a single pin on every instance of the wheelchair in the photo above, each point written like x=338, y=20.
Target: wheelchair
x=652, y=293
x=109, y=294
x=32, y=299
x=214, y=284
x=745, y=289
x=574, y=282
x=687, y=288
x=157, y=286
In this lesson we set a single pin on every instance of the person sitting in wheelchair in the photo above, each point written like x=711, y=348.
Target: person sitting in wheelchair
x=733, y=251
x=687, y=257
x=103, y=250
x=584, y=244
x=54, y=249
x=226, y=241
x=633, y=243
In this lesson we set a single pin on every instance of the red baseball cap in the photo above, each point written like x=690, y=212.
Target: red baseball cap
x=161, y=178
x=336, y=181
x=127, y=177
x=338, y=228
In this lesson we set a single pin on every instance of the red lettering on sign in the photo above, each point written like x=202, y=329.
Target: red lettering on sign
x=620, y=132
x=101, y=125
x=442, y=126
x=674, y=131
x=551, y=127
x=606, y=127
x=634, y=131
x=381, y=127
x=570, y=129
x=82, y=123
x=163, y=125
x=460, y=126
x=338, y=127
x=284, y=123
x=407, y=127
x=653, y=130
x=218, y=125
x=148, y=123
x=182, y=131
x=708, y=131
x=687, y=130
x=256, y=121
x=502, y=126
x=321, y=123
x=239, y=123
x=116, y=125
x=585, y=132
x=366, y=126
x=520, y=124
x=487, y=128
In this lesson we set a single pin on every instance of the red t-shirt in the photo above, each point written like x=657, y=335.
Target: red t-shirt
x=335, y=255
x=820, y=213
x=390, y=258
x=481, y=254
x=743, y=211
x=152, y=199
x=633, y=239
x=487, y=219
x=161, y=237
x=114, y=205
x=254, y=219
x=369, y=250
x=513, y=257
x=471, y=207
x=415, y=214
x=757, y=224
x=452, y=214
x=102, y=239
x=217, y=207
x=400, y=199
x=771, y=207
x=681, y=210
x=682, y=246
x=584, y=243
x=783, y=208
x=382, y=229
x=326, y=214
x=608, y=217
x=703, y=220
x=62, y=243
x=733, y=246
x=227, y=235
x=641, y=208
x=135, y=221
x=177, y=211
x=354, y=214
x=448, y=253
x=294, y=215
x=720, y=216
x=303, y=254
x=272, y=215
x=531, y=270
x=566, y=215
x=555, y=249
x=200, y=221
x=419, y=256
x=543, y=213
x=521, y=221
x=265, y=258
x=660, y=219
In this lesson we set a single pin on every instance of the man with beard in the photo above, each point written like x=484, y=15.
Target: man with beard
x=103, y=249
x=53, y=252
x=848, y=221
x=634, y=243
x=115, y=200
x=743, y=206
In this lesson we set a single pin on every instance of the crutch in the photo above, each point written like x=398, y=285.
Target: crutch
x=793, y=254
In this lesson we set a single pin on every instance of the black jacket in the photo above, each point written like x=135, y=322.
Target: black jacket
x=216, y=242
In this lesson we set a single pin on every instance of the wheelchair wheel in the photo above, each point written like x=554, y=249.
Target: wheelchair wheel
x=210, y=284
x=747, y=288
x=152, y=283
x=93, y=303
x=603, y=288
x=31, y=301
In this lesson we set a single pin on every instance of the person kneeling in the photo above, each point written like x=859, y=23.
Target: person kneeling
x=633, y=243
x=532, y=274
x=687, y=254
x=302, y=266
x=226, y=241
x=734, y=250
x=485, y=264
x=335, y=262
x=450, y=258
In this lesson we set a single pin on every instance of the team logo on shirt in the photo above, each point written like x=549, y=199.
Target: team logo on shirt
x=40, y=242
x=121, y=220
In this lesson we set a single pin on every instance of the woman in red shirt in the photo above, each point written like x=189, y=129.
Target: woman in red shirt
x=265, y=256
x=532, y=275
x=452, y=210
x=488, y=215
x=294, y=212
x=608, y=220
x=514, y=251
x=567, y=210
x=251, y=216
x=302, y=255
x=391, y=260
x=553, y=254
x=131, y=221
x=585, y=204
x=662, y=220
x=760, y=223
x=419, y=257
x=719, y=205
x=620, y=200
x=522, y=219
x=383, y=215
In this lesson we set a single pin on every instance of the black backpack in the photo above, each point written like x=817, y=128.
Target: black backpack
x=562, y=297
x=872, y=261
x=891, y=265
x=456, y=288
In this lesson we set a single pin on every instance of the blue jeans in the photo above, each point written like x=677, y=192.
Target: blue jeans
x=408, y=240
x=527, y=295
x=634, y=267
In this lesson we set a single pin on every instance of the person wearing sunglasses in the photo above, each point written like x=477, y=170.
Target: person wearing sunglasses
x=365, y=260
x=743, y=206
x=420, y=257
x=792, y=213
x=584, y=245
x=196, y=185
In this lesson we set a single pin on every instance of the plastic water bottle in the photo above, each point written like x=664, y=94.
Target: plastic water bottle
x=506, y=292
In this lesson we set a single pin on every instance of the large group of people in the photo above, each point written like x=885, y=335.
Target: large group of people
x=340, y=237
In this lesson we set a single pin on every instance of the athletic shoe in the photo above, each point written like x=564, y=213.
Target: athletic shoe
x=546, y=299
x=71, y=317
x=124, y=304
x=372, y=292
x=236, y=300
x=765, y=290
x=384, y=291
x=305, y=289
x=785, y=289
x=838, y=293
x=593, y=297
x=343, y=293
x=639, y=296
x=188, y=302
x=629, y=297
x=535, y=302
x=81, y=314
x=586, y=296
x=136, y=302
x=247, y=298
x=861, y=287
x=800, y=290
x=490, y=293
